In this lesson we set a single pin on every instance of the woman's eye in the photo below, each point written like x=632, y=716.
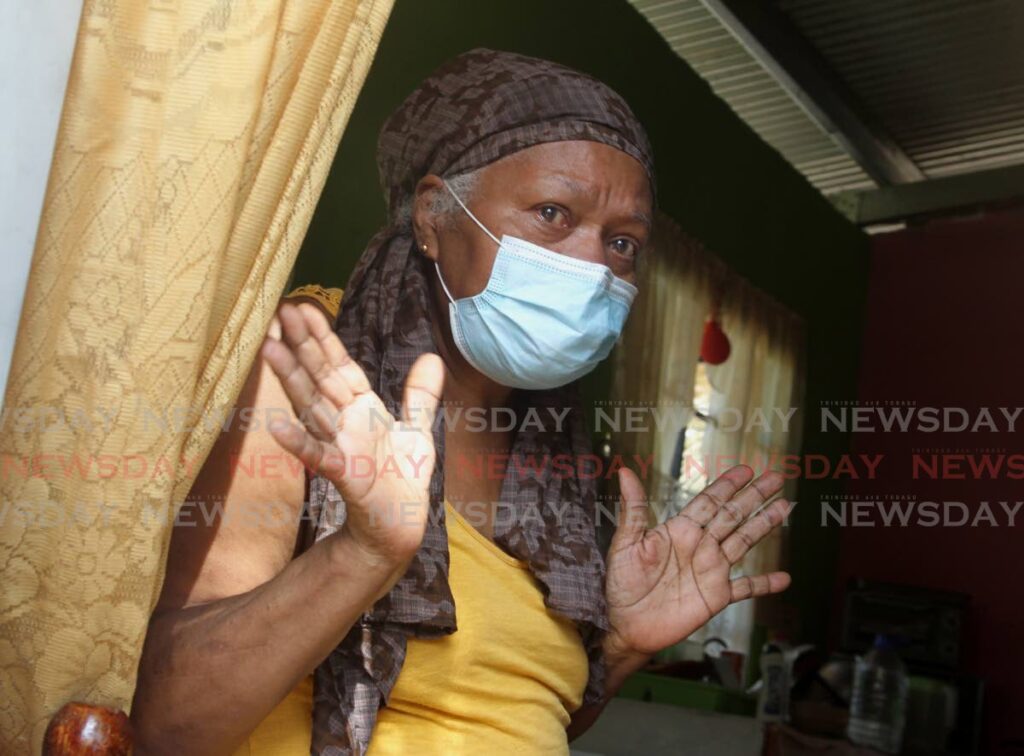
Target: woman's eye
x=626, y=247
x=550, y=213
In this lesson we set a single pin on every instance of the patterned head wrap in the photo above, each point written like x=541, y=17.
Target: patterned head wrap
x=475, y=109
x=484, y=105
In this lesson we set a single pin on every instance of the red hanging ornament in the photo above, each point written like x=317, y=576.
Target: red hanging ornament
x=714, y=346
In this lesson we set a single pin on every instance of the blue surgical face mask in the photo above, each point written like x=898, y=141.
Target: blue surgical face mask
x=543, y=320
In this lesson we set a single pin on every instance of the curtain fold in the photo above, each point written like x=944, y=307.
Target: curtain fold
x=655, y=366
x=655, y=360
x=756, y=419
x=195, y=140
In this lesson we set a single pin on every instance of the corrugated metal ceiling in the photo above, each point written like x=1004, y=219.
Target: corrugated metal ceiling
x=944, y=78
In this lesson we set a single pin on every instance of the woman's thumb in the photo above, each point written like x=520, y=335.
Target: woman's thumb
x=632, y=509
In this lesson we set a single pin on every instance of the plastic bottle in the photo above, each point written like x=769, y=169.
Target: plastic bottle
x=773, y=704
x=878, y=708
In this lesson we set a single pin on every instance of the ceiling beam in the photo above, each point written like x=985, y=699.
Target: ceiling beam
x=772, y=39
x=935, y=196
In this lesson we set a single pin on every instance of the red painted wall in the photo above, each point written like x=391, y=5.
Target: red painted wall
x=945, y=327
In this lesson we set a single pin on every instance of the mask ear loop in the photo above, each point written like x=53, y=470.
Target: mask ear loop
x=475, y=220
x=470, y=214
x=439, y=278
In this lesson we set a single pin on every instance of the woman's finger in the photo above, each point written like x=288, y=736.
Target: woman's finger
x=422, y=394
x=314, y=454
x=736, y=510
x=752, y=586
x=346, y=368
x=274, y=329
x=750, y=533
x=345, y=380
x=633, y=511
x=315, y=412
x=304, y=328
x=705, y=504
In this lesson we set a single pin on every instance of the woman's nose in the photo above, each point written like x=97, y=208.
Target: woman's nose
x=585, y=245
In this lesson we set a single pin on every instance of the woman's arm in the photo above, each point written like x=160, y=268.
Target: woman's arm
x=239, y=622
x=619, y=665
x=211, y=672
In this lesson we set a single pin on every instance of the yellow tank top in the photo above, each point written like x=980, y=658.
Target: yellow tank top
x=505, y=682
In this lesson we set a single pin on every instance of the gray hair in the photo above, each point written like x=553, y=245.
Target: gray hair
x=444, y=206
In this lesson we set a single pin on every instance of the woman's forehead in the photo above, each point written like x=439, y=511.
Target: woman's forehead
x=581, y=168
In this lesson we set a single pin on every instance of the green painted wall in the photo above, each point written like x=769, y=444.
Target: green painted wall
x=716, y=178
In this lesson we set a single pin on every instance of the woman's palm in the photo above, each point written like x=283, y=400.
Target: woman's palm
x=381, y=466
x=666, y=582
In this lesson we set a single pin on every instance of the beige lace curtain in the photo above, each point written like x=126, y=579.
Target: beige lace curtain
x=756, y=419
x=655, y=361
x=763, y=377
x=194, y=142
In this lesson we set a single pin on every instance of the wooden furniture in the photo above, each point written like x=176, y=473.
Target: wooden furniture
x=81, y=729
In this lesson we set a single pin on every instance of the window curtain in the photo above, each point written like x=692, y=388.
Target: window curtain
x=655, y=360
x=756, y=419
x=195, y=139
x=680, y=284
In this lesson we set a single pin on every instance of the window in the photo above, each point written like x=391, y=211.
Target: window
x=691, y=472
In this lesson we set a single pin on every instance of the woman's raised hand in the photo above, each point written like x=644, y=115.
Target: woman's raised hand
x=380, y=465
x=666, y=582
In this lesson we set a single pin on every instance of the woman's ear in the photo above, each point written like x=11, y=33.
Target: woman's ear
x=424, y=220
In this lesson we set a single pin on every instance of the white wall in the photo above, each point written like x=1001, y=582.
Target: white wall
x=37, y=39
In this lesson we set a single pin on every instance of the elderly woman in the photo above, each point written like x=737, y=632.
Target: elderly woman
x=446, y=609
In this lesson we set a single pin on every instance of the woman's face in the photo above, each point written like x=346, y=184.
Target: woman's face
x=582, y=199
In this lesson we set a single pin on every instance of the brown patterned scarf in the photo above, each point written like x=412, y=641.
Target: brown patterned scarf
x=475, y=109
